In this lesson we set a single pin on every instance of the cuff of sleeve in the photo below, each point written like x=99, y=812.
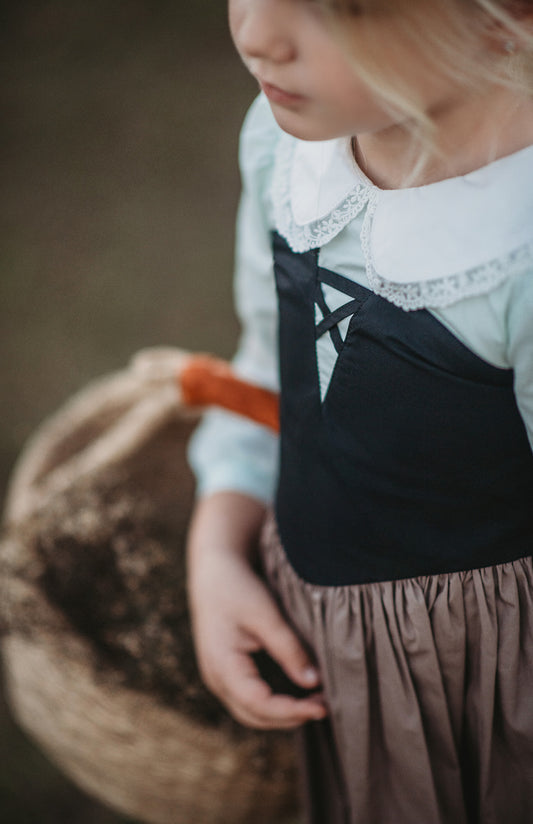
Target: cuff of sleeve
x=228, y=452
x=223, y=481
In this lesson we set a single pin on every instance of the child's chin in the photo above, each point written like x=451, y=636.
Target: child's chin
x=298, y=124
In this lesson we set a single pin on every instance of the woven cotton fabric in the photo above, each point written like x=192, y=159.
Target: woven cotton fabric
x=429, y=683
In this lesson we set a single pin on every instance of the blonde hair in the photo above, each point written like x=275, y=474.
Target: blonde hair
x=450, y=35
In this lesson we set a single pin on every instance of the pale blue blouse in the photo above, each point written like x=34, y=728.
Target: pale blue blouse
x=461, y=248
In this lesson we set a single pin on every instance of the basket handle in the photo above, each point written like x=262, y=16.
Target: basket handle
x=204, y=380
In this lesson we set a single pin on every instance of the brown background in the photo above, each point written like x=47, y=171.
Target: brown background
x=120, y=125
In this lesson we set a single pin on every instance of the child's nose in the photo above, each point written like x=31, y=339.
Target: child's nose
x=262, y=32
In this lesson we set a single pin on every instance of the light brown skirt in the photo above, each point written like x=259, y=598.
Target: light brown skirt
x=429, y=683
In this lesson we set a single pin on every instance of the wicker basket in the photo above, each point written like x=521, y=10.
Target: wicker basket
x=98, y=657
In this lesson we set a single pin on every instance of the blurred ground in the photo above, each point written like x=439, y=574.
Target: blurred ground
x=120, y=125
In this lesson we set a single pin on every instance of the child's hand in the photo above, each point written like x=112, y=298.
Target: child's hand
x=234, y=616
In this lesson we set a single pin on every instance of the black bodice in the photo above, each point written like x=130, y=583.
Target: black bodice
x=415, y=462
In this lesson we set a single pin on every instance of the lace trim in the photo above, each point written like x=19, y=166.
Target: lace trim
x=318, y=232
x=430, y=294
x=441, y=292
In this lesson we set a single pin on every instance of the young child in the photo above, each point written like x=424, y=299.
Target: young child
x=385, y=272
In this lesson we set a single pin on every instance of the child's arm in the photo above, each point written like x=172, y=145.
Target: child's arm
x=234, y=615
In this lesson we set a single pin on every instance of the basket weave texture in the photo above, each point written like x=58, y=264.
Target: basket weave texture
x=97, y=647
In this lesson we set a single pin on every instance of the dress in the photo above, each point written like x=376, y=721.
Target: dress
x=404, y=474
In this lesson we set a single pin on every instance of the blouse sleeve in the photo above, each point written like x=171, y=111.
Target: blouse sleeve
x=520, y=346
x=228, y=452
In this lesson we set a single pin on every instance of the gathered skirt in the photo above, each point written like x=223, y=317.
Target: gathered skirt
x=429, y=684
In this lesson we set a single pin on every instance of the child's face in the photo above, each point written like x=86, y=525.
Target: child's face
x=313, y=89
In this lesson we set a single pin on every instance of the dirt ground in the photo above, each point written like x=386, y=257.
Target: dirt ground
x=120, y=182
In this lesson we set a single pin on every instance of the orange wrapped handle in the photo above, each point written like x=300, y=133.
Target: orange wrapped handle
x=208, y=381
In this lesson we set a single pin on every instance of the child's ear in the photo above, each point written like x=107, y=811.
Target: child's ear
x=508, y=38
x=502, y=41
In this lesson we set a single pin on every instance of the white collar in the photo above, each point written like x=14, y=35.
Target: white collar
x=425, y=246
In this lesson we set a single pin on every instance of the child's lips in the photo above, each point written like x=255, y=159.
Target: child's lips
x=277, y=95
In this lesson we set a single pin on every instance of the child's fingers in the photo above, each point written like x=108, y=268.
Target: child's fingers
x=282, y=643
x=279, y=712
x=252, y=702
